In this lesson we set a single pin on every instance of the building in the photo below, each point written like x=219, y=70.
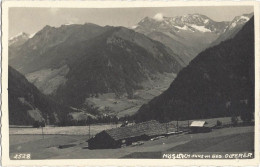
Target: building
x=115, y=138
x=199, y=126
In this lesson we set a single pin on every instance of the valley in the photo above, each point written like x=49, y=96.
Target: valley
x=93, y=72
x=132, y=86
x=121, y=106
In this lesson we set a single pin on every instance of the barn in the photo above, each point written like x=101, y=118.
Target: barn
x=199, y=126
x=115, y=138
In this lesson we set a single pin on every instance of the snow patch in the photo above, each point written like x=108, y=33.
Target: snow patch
x=32, y=35
x=206, y=21
x=182, y=28
x=244, y=17
x=70, y=23
x=134, y=27
x=239, y=21
x=200, y=28
x=233, y=25
x=17, y=35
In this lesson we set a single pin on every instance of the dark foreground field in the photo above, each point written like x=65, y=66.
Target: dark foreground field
x=231, y=143
x=236, y=139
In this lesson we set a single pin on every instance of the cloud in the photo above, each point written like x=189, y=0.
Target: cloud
x=158, y=17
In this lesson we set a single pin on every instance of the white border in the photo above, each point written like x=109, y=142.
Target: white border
x=119, y=162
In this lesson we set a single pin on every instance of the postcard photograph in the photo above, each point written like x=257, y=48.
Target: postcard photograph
x=172, y=82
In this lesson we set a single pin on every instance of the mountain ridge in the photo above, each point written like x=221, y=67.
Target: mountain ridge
x=219, y=75
x=186, y=35
x=233, y=28
x=74, y=67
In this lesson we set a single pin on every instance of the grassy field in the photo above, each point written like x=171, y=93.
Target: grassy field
x=222, y=140
x=39, y=147
x=230, y=143
x=94, y=129
x=69, y=130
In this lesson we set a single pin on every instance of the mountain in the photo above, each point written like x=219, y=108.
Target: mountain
x=186, y=35
x=73, y=62
x=27, y=104
x=233, y=28
x=189, y=22
x=46, y=39
x=189, y=34
x=15, y=43
x=19, y=39
x=217, y=78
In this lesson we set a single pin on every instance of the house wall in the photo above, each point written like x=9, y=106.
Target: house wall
x=105, y=141
x=129, y=141
x=199, y=129
x=102, y=141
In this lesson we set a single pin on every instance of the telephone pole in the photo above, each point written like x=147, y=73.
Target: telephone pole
x=177, y=124
x=89, y=131
x=41, y=124
x=42, y=132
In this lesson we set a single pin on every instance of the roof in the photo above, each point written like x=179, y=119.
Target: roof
x=149, y=128
x=198, y=123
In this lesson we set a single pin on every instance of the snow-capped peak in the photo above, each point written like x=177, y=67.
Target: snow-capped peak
x=21, y=34
x=188, y=22
x=18, y=39
x=239, y=20
x=245, y=18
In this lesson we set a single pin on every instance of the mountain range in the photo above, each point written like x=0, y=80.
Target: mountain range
x=189, y=34
x=73, y=62
x=215, y=83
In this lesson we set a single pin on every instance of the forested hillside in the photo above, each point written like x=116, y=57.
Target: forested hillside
x=218, y=82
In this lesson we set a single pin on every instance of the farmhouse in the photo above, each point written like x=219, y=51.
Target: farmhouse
x=115, y=138
x=199, y=126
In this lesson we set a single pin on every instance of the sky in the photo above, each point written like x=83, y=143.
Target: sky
x=31, y=20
